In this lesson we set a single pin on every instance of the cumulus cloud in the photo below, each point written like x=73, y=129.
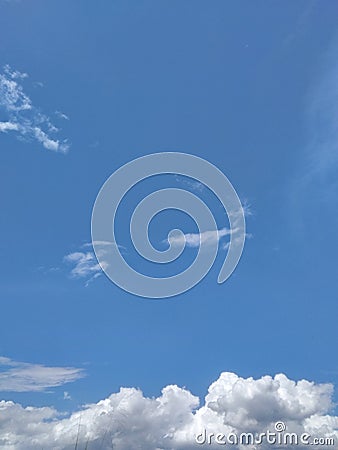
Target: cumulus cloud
x=129, y=420
x=16, y=376
x=22, y=117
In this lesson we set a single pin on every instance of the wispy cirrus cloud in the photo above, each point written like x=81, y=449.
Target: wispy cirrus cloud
x=84, y=263
x=322, y=118
x=20, y=116
x=17, y=376
x=8, y=126
x=315, y=182
x=172, y=421
x=211, y=237
x=62, y=115
x=196, y=239
x=189, y=183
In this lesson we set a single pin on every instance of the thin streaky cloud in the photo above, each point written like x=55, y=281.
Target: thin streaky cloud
x=196, y=239
x=8, y=126
x=22, y=118
x=322, y=119
x=102, y=244
x=17, y=376
x=316, y=177
x=62, y=115
x=190, y=183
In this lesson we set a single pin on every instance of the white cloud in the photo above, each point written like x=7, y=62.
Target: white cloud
x=22, y=117
x=128, y=420
x=62, y=115
x=8, y=126
x=189, y=182
x=196, y=239
x=207, y=238
x=48, y=143
x=26, y=377
x=212, y=237
x=66, y=396
x=246, y=210
x=84, y=262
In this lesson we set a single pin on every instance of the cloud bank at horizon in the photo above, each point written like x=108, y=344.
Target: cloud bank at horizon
x=129, y=420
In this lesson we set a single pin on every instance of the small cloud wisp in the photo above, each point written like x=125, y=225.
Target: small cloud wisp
x=22, y=117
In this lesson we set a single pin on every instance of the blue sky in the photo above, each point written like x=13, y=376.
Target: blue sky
x=249, y=86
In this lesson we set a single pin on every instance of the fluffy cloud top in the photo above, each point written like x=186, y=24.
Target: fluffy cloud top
x=127, y=420
x=22, y=117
